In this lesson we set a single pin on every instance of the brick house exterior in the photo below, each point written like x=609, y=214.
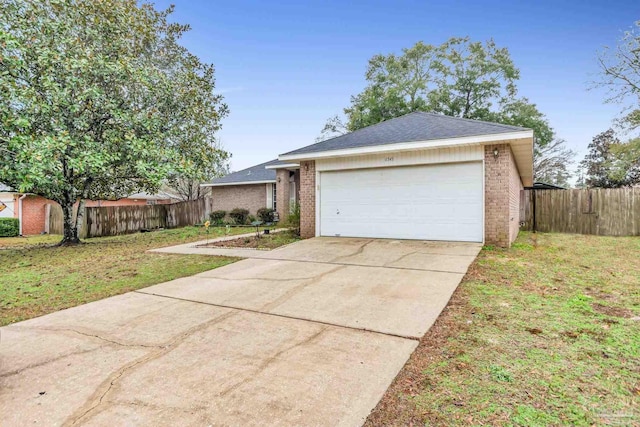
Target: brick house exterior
x=251, y=197
x=502, y=185
x=503, y=153
x=307, y=199
x=271, y=184
x=420, y=176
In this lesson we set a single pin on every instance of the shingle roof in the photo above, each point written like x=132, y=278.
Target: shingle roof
x=5, y=188
x=256, y=173
x=411, y=127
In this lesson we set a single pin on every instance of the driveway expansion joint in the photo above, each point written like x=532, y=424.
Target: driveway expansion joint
x=362, y=265
x=248, y=310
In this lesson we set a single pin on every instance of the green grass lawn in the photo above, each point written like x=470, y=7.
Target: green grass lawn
x=37, y=278
x=545, y=333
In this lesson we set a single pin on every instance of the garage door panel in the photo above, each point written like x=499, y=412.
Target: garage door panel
x=435, y=202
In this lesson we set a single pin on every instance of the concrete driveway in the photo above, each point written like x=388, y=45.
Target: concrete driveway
x=309, y=334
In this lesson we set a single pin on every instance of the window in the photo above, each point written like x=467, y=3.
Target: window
x=273, y=196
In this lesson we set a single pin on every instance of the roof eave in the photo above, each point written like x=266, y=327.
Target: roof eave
x=289, y=165
x=408, y=146
x=224, y=184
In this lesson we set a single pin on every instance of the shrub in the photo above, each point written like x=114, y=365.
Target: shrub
x=217, y=217
x=239, y=216
x=251, y=218
x=293, y=220
x=9, y=227
x=265, y=214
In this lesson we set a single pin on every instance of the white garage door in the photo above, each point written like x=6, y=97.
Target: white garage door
x=8, y=211
x=435, y=202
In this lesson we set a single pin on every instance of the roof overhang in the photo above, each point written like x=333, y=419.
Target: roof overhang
x=521, y=145
x=226, y=184
x=290, y=165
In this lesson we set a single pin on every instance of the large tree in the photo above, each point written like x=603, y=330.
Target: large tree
x=459, y=78
x=620, y=74
x=611, y=163
x=99, y=100
x=187, y=186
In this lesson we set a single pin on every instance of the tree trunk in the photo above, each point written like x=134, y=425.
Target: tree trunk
x=80, y=217
x=70, y=236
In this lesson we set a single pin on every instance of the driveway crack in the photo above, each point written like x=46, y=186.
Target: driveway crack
x=297, y=289
x=265, y=364
x=46, y=362
x=93, y=335
x=358, y=252
x=93, y=404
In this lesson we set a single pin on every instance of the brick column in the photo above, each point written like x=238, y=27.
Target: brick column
x=307, y=199
x=282, y=193
x=496, y=195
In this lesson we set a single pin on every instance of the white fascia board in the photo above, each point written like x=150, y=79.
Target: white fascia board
x=409, y=146
x=225, y=184
x=284, y=166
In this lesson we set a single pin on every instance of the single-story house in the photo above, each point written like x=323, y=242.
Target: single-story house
x=32, y=210
x=273, y=184
x=420, y=176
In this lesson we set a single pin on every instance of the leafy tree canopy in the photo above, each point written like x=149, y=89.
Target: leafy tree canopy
x=611, y=163
x=459, y=78
x=99, y=100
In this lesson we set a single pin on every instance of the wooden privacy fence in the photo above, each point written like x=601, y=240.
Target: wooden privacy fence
x=115, y=220
x=601, y=211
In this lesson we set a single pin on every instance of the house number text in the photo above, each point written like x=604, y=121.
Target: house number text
x=388, y=159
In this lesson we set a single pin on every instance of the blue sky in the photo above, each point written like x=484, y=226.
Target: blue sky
x=284, y=67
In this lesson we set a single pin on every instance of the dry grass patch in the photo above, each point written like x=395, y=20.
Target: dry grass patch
x=38, y=277
x=545, y=333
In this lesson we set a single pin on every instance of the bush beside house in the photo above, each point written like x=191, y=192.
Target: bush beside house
x=266, y=214
x=217, y=217
x=239, y=216
x=9, y=227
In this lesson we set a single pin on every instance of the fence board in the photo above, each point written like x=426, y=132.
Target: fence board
x=116, y=220
x=600, y=211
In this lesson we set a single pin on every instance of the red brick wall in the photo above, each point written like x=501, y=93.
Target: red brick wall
x=502, y=196
x=33, y=214
x=307, y=199
x=282, y=193
x=251, y=196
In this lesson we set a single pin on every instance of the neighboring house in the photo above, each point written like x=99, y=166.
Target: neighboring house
x=273, y=184
x=32, y=210
x=420, y=176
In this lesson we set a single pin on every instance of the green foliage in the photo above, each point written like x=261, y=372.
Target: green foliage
x=99, y=100
x=251, y=218
x=611, y=163
x=459, y=78
x=266, y=214
x=239, y=216
x=217, y=217
x=498, y=373
x=293, y=220
x=9, y=227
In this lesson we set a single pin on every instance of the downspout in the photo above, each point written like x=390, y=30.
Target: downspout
x=20, y=211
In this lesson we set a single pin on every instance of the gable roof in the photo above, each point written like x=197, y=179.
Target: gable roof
x=254, y=175
x=417, y=126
